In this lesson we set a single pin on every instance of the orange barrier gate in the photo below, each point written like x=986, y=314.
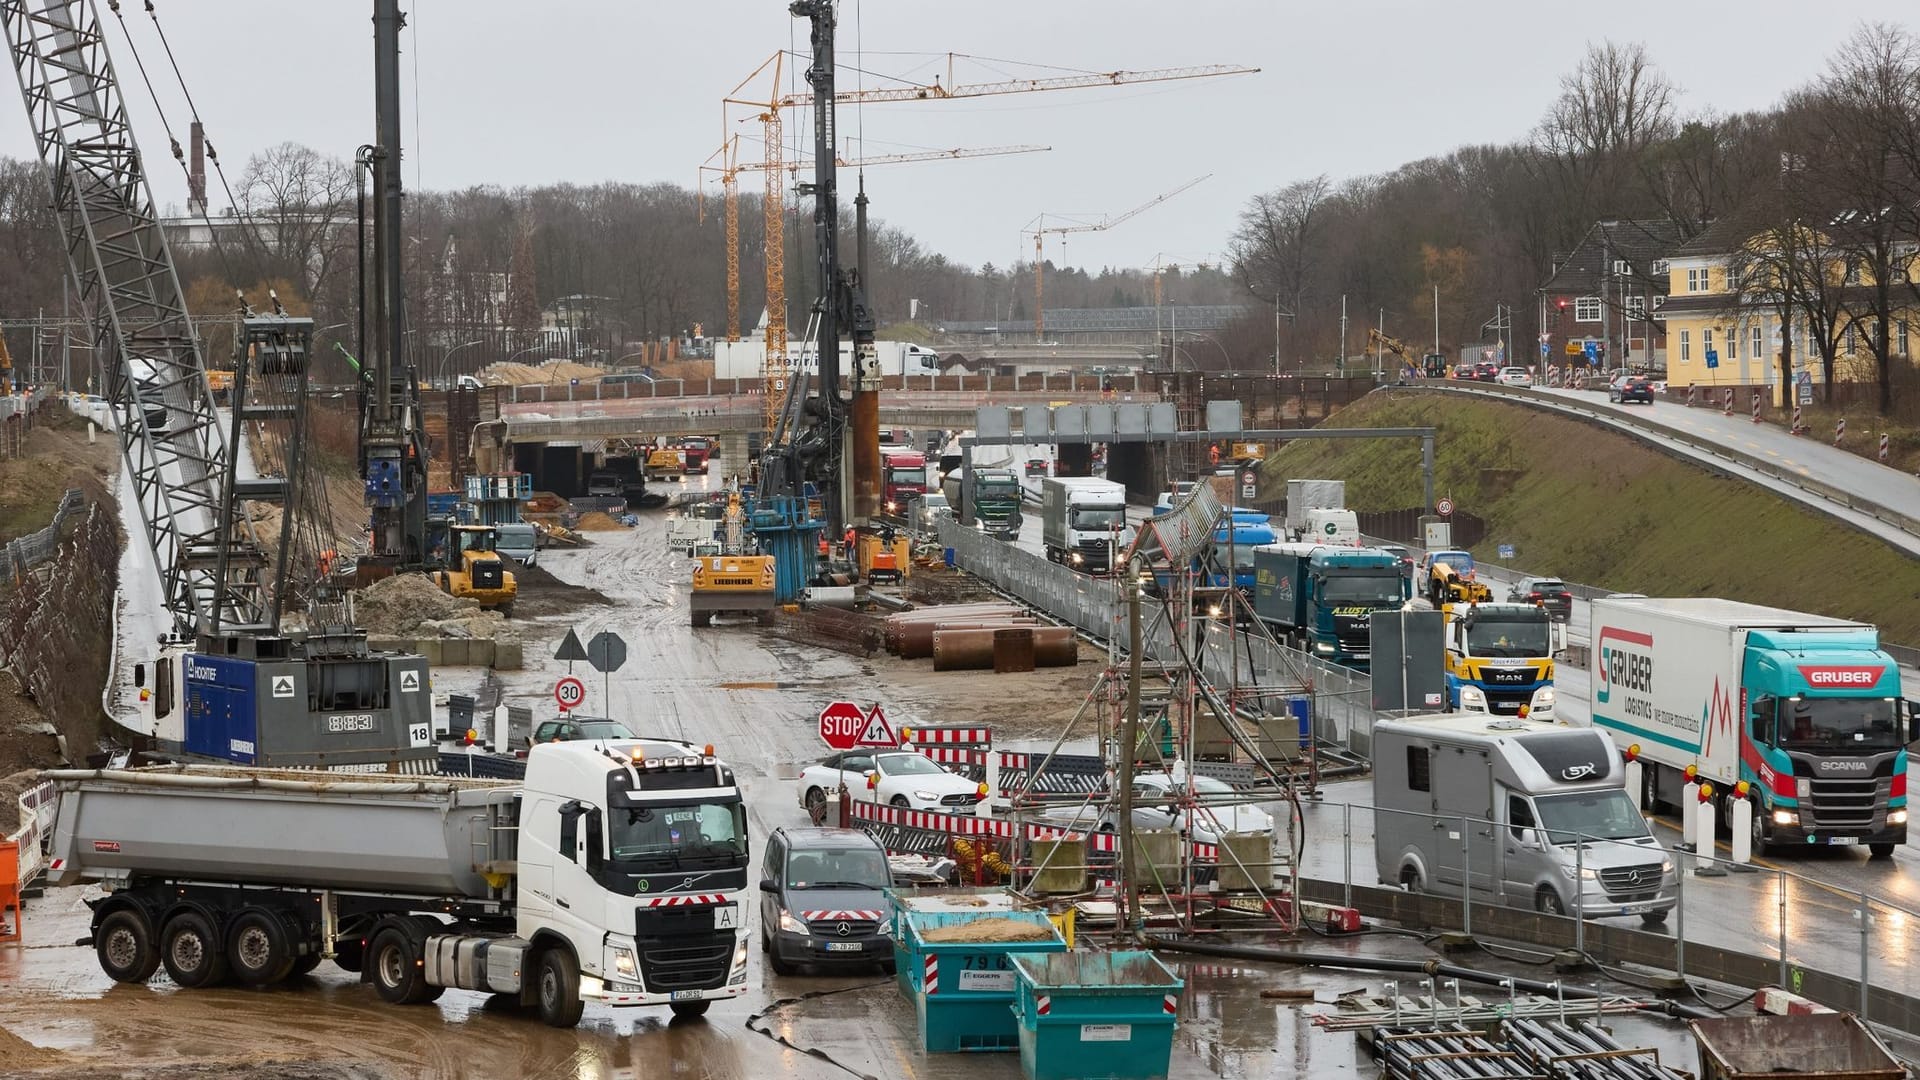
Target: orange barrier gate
x=10, y=915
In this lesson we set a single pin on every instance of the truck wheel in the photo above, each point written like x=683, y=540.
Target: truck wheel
x=394, y=965
x=703, y=618
x=258, y=948
x=559, y=988
x=1761, y=846
x=506, y=610
x=124, y=943
x=1654, y=918
x=1410, y=879
x=1547, y=902
x=1881, y=851
x=191, y=951
x=689, y=1010
x=766, y=617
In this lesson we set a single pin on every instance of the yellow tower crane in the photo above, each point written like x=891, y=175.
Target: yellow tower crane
x=1040, y=230
x=768, y=112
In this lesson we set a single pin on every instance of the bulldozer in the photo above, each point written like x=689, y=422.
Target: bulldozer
x=477, y=570
x=736, y=581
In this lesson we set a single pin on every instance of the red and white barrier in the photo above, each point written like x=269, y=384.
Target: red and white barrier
x=930, y=975
x=1839, y=430
x=1778, y=1002
x=1727, y=403
x=1756, y=406
x=1797, y=427
x=1691, y=390
x=1885, y=449
x=977, y=736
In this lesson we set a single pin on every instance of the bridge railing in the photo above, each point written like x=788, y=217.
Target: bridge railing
x=616, y=388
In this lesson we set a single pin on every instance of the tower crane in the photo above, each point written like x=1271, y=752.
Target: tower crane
x=225, y=684
x=1041, y=229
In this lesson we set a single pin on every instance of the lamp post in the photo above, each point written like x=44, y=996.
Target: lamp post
x=531, y=348
x=446, y=360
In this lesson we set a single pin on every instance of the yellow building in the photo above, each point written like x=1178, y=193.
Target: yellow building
x=1720, y=335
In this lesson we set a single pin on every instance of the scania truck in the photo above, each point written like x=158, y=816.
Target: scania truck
x=1321, y=599
x=1807, y=710
x=613, y=873
x=1500, y=659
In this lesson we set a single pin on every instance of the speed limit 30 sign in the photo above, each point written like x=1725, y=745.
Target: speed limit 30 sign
x=569, y=692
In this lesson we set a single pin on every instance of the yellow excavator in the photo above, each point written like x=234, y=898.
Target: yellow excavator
x=733, y=582
x=477, y=570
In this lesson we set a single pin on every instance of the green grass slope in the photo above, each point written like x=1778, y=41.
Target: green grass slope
x=1606, y=510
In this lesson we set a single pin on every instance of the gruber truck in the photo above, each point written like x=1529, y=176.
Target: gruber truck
x=614, y=872
x=996, y=497
x=1500, y=659
x=1806, y=709
x=1321, y=599
x=1083, y=522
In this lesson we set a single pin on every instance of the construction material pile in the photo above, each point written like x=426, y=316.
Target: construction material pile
x=985, y=931
x=411, y=605
x=973, y=637
x=596, y=521
x=504, y=373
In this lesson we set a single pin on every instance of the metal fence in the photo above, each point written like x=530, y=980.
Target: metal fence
x=26, y=552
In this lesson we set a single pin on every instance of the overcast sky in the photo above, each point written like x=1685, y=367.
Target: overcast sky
x=537, y=91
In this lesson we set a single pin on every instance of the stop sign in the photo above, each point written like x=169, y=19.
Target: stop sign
x=841, y=723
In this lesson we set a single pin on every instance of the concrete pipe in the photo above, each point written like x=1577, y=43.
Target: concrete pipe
x=972, y=650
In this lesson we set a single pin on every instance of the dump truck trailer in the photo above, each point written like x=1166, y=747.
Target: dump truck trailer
x=613, y=872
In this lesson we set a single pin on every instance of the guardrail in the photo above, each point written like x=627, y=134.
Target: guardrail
x=1819, y=491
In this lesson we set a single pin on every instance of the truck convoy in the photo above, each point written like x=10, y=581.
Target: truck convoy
x=1500, y=659
x=1519, y=812
x=1808, y=711
x=1083, y=522
x=1321, y=599
x=612, y=873
x=996, y=494
x=1317, y=513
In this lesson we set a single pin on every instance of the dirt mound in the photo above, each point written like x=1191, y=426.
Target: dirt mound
x=10, y=789
x=401, y=604
x=597, y=522
x=543, y=594
x=559, y=371
x=978, y=931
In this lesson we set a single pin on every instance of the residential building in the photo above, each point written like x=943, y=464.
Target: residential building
x=1604, y=293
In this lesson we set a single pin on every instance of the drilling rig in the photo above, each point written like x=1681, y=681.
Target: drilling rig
x=222, y=682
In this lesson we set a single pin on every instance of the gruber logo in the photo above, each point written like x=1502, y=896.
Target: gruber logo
x=1851, y=676
x=1626, y=662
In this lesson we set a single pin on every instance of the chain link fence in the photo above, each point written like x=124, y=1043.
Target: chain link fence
x=26, y=552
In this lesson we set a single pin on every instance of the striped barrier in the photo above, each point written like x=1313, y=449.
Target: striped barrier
x=1797, y=427
x=930, y=977
x=1778, y=1002
x=1756, y=406
x=1885, y=449
x=1727, y=402
x=927, y=832
x=1690, y=395
x=948, y=736
x=1839, y=430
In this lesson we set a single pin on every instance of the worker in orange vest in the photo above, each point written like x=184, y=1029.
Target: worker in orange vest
x=853, y=539
x=1213, y=453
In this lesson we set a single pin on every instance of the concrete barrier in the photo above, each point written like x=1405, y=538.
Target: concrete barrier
x=457, y=652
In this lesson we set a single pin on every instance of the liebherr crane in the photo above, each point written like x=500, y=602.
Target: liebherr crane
x=224, y=684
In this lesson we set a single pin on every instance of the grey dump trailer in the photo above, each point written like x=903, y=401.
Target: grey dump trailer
x=613, y=873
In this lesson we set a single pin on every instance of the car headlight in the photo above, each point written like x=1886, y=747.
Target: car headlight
x=885, y=929
x=791, y=925
x=926, y=796
x=892, y=506
x=1323, y=647
x=624, y=964
x=1471, y=695
x=1543, y=697
x=1896, y=817
x=1786, y=817
x=1666, y=866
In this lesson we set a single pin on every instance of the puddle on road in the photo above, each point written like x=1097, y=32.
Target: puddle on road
x=760, y=685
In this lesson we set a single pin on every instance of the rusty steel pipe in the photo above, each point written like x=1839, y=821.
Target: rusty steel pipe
x=972, y=650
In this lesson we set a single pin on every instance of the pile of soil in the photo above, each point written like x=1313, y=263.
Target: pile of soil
x=983, y=931
x=543, y=594
x=559, y=371
x=402, y=604
x=597, y=522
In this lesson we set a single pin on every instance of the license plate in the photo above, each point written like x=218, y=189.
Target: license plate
x=1843, y=840
x=726, y=917
x=686, y=995
x=1363, y=656
x=843, y=946
x=1634, y=909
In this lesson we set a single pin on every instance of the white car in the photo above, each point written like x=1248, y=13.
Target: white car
x=1216, y=810
x=1515, y=376
x=904, y=778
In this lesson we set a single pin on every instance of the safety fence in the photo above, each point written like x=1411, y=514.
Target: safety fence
x=622, y=388
x=26, y=552
x=16, y=418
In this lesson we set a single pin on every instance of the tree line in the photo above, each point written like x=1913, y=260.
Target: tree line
x=1824, y=188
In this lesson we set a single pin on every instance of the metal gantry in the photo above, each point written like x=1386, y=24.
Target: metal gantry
x=170, y=434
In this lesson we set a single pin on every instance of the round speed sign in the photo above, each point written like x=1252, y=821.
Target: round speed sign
x=569, y=692
x=1444, y=507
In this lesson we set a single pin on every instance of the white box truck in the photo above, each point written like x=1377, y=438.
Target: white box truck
x=1310, y=507
x=1083, y=522
x=744, y=359
x=1807, y=710
x=1521, y=812
x=615, y=872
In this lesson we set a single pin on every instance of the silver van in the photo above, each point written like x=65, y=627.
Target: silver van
x=1549, y=824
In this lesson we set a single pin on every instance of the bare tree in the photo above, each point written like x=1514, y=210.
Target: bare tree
x=1276, y=250
x=1614, y=108
x=300, y=200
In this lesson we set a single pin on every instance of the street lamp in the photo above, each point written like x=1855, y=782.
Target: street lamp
x=446, y=359
x=531, y=348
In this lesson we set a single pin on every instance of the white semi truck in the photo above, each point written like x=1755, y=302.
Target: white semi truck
x=744, y=359
x=1083, y=522
x=613, y=873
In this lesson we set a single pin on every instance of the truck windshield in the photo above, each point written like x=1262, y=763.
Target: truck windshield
x=1099, y=517
x=1376, y=590
x=666, y=834
x=1838, y=724
x=1596, y=815
x=997, y=488
x=1508, y=637
x=837, y=868
x=1239, y=555
x=915, y=477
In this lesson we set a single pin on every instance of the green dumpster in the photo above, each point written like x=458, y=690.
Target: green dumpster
x=964, y=900
x=1095, y=1015
x=962, y=978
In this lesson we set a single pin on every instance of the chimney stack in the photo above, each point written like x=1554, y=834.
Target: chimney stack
x=197, y=173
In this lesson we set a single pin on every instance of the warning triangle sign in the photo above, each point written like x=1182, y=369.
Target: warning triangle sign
x=570, y=648
x=878, y=731
x=409, y=682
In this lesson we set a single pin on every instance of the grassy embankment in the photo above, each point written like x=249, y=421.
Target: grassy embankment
x=1605, y=510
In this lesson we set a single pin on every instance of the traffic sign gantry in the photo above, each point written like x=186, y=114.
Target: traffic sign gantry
x=569, y=692
x=844, y=726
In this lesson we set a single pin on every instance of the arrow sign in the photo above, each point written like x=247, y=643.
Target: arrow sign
x=606, y=652
x=570, y=648
x=283, y=686
x=877, y=731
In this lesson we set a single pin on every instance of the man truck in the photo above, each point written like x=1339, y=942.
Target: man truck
x=613, y=873
x=1500, y=659
x=1805, y=709
x=903, y=480
x=996, y=500
x=1083, y=522
x=1518, y=812
x=1321, y=599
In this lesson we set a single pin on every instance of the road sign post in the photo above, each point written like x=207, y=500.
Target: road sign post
x=607, y=652
x=570, y=650
x=846, y=726
x=569, y=692
x=1444, y=507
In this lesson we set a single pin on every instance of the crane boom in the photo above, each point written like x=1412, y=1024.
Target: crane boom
x=935, y=91
x=1039, y=248
x=902, y=159
x=156, y=381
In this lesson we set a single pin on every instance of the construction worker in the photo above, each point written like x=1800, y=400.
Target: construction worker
x=853, y=540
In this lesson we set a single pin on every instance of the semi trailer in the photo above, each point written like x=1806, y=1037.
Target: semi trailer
x=613, y=873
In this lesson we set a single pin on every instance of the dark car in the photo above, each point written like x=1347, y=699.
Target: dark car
x=1464, y=371
x=823, y=900
x=1546, y=592
x=1405, y=556
x=574, y=728
x=1486, y=372
x=1631, y=388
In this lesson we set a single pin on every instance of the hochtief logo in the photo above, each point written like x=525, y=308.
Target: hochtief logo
x=1842, y=676
x=1626, y=662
